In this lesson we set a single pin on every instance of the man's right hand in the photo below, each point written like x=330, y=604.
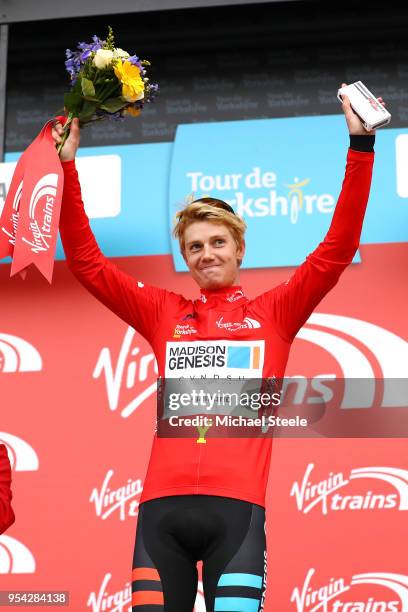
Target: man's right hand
x=68, y=151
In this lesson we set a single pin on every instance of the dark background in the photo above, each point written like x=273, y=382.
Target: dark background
x=277, y=59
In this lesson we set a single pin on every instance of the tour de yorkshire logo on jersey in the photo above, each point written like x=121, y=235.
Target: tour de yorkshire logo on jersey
x=218, y=359
x=184, y=330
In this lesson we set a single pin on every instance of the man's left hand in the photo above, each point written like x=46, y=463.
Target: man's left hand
x=353, y=122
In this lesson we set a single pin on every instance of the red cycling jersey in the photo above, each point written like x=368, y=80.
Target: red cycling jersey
x=253, y=337
x=6, y=512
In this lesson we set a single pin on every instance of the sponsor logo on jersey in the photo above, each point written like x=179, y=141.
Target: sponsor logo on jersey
x=18, y=355
x=234, y=297
x=183, y=330
x=246, y=323
x=15, y=557
x=329, y=596
x=328, y=494
x=22, y=456
x=123, y=499
x=132, y=370
x=221, y=358
x=237, y=295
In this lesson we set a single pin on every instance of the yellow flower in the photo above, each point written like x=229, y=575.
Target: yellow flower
x=132, y=82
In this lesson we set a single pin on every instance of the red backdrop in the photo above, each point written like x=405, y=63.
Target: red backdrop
x=79, y=463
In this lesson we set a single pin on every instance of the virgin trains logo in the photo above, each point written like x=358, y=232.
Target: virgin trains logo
x=389, y=350
x=14, y=215
x=45, y=191
x=116, y=601
x=232, y=326
x=311, y=598
x=18, y=355
x=331, y=494
x=23, y=457
x=123, y=499
x=15, y=558
x=132, y=370
x=237, y=295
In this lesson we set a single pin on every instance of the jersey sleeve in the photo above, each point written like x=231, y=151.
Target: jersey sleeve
x=292, y=302
x=7, y=517
x=138, y=304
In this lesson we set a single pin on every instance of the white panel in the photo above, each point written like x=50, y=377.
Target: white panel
x=401, y=153
x=100, y=177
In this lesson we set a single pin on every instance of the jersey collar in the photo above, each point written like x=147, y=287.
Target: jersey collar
x=226, y=296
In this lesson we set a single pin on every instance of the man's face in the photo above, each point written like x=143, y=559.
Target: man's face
x=211, y=255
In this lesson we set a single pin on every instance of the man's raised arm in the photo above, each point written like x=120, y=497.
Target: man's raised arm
x=292, y=302
x=140, y=305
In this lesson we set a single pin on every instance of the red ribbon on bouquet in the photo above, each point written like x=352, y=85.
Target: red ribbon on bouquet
x=30, y=217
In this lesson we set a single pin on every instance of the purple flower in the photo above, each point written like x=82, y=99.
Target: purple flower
x=84, y=56
x=101, y=114
x=116, y=116
x=133, y=59
x=97, y=42
x=73, y=64
x=76, y=58
x=90, y=46
x=152, y=90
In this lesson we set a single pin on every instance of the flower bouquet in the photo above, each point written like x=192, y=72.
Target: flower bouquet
x=107, y=83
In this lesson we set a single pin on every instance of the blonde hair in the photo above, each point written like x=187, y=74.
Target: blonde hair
x=213, y=210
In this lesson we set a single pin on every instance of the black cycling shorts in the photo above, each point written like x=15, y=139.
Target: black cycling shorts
x=173, y=533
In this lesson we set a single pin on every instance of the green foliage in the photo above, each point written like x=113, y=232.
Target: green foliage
x=110, y=40
x=88, y=88
x=88, y=109
x=104, y=75
x=112, y=105
x=73, y=102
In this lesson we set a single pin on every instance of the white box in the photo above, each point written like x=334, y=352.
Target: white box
x=371, y=112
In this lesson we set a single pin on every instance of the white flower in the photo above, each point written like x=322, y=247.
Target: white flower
x=103, y=57
x=120, y=53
